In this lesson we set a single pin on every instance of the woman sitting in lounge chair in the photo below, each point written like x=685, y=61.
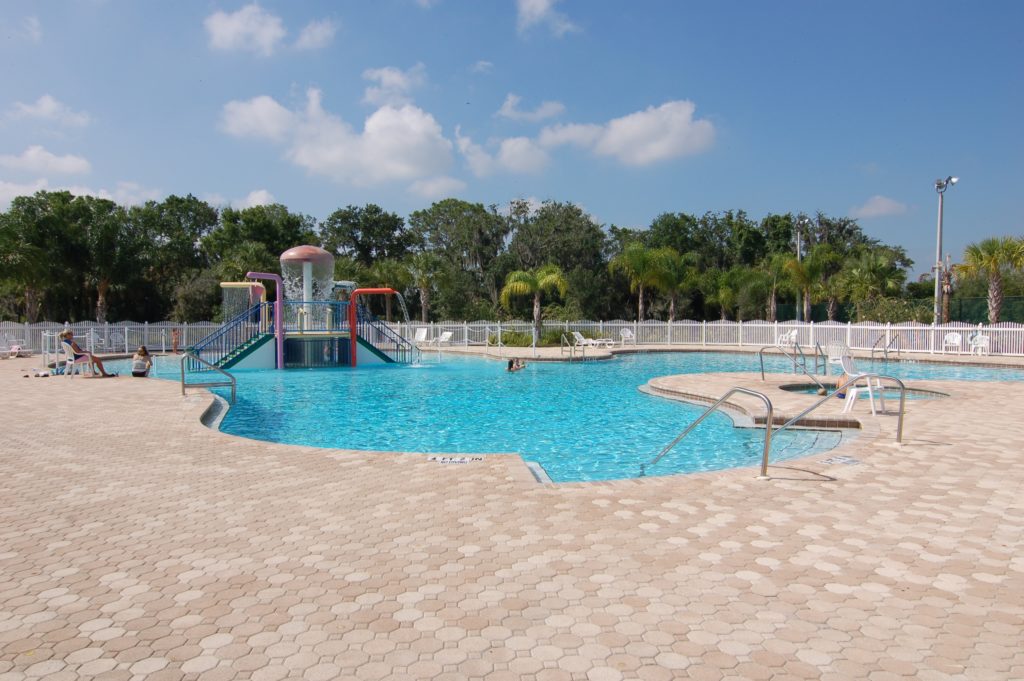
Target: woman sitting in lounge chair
x=97, y=365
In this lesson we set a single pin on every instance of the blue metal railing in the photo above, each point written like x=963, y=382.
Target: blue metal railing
x=235, y=333
x=317, y=316
x=382, y=337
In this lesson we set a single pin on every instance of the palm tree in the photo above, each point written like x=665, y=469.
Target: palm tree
x=533, y=283
x=872, y=275
x=991, y=258
x=424, y=267
x=390, y=274
x=774, y=268
x=803, y=275
x=644, y=267
x=678, y=275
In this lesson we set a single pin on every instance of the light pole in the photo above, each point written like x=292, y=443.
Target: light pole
x=801, y=224
x=940, y=186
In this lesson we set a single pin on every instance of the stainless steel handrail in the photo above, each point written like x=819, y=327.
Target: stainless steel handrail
x=894, y=341
x=769, y=432
x=564, y=343
x=713, y=407
x=796, y=364
x=214, y=384
x=850, y=384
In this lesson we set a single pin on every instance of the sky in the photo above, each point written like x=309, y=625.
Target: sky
x=629, y=109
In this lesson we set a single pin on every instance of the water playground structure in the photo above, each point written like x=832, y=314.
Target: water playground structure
x=313, y=321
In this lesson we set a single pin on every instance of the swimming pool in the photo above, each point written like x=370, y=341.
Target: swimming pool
x=582, y=421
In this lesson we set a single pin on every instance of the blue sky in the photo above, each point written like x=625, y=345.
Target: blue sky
x=628, y=109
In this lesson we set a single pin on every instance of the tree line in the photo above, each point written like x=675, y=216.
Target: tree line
x=67, y=257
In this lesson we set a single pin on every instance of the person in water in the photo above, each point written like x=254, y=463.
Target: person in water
x=515, y=365
x=142, y=362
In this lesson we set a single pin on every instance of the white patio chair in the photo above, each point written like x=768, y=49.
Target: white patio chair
x=627, y=336
x=788, y=339
x=580, y=341
x=420, y=336
x=953, y=340
x=444, y=339
x=857, y=383
x=978, y=344
x=83, y=363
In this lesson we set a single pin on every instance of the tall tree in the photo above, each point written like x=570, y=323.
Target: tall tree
x=368, y=234
x=872, y=275
x=992, y=258
x=678, y=275
x=392, y=274
x=643, y=266
x=425, y=270
x=534, y=283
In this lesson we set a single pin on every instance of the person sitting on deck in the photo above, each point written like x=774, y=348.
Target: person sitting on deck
x=97, y=365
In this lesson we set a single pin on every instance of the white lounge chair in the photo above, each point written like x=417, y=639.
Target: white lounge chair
x=580, y=341
x=420, y=336
x=627, y=336
x=857, y=383
x=83, y=363
x=954, y=341
x=978, y=343
x=443, y=339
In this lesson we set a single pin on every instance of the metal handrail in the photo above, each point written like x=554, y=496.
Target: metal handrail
x=796, y=364
x=188, y=354
x=885, y=350
x=713, y=407
x=769, y=432
x=564, y=343
x=850, y=384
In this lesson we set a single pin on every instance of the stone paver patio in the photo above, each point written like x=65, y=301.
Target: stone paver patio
x=135, y=543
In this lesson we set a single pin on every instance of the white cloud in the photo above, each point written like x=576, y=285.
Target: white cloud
x=36, y=159
x=124, y=193
x=878, y=207
x=11, y=190
x=654, y=134
x=396, y=143
x=482, y=66
x=250, y=28
x=316, y=34
x=514, y=154
x=257, y=197
x=32, y=29
x=533, y=12
x=437, y=187
x=426, y=4
x=521, y=155
x=47, y=108
x=258, y=117
x=393, y=84
x=510, y=109
x=215, y=199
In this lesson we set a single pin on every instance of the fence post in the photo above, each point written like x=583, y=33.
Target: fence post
x=739, y=332
x=184, y=336
x=27, y=337
x=465, y=334
x=849, y=333
x=499, y=333
x=670, y=332
x=636, y=332
x=704, y=333
x=810, y=334
x=931, y=340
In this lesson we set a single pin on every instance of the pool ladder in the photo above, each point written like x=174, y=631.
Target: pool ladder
x=230, y=383
x=799, y=361
x=769, y=420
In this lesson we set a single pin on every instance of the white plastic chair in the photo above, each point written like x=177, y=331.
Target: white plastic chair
x=443, y=339
x=978, y=344
x=953, y=340
x=857, y=383
x=579, y=340
x=83, y=363
x=834, y=353
x=788, y=339
x=421, y=335
x=627, y=336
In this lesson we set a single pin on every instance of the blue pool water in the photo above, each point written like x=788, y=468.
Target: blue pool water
x=584, y=421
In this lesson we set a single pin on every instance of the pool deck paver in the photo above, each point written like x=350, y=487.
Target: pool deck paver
x=137, y=544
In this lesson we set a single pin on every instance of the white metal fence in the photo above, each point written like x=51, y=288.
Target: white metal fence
x=1006, y=339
